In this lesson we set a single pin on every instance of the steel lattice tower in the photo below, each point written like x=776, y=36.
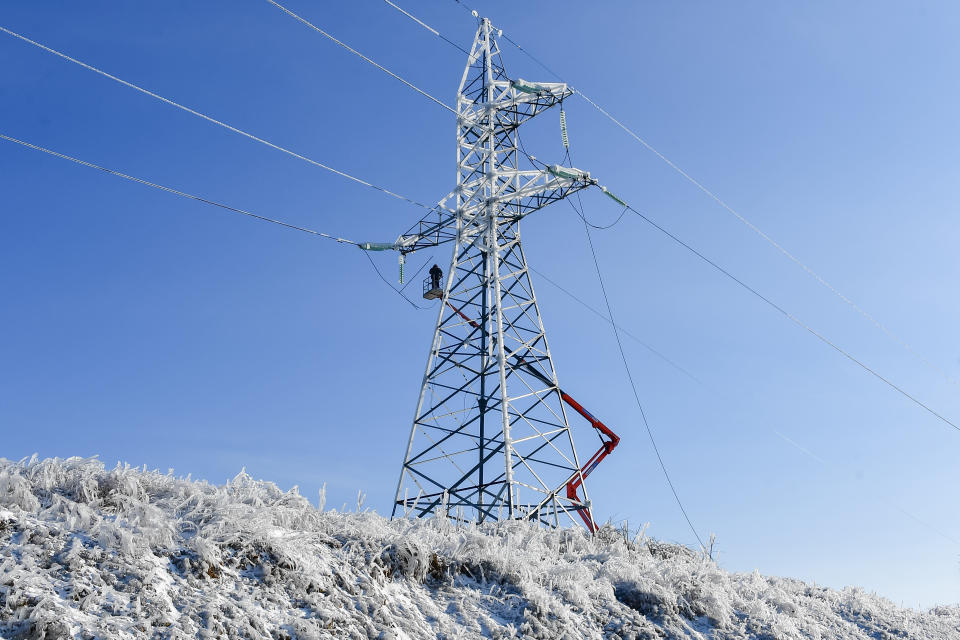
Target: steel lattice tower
x=490, y=438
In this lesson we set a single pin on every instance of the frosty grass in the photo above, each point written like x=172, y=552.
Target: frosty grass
x=87, y=552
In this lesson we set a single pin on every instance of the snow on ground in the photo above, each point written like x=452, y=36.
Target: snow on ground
x=87, y=552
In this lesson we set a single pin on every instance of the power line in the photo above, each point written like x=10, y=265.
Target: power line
x=605, y=226
x=427, y=27
x=215, y=121
x=214, y=203
x=633, y=385
x=516, y=44
x=879, y=325
x=622, y=330
x=623, y=355
x=796, y=320
x=175, y=191
x=534, y=58
x=399, y=292
x=887, y=501
x=412, y=278
x=474, y=14
x=360, y=55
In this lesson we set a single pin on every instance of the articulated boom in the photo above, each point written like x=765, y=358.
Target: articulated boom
x=490, y=438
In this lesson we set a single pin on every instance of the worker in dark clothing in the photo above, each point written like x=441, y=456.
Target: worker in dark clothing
x=435, y=274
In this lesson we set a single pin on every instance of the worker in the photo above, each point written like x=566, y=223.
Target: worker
x=435, y=274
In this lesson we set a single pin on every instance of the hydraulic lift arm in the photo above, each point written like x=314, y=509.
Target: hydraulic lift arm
x=609, y=442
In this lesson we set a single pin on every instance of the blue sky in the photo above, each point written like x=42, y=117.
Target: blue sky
x=142, y=327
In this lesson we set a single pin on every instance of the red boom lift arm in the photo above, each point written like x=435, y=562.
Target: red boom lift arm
x=609, y=442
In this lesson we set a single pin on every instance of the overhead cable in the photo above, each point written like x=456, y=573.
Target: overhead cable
x=360, y=55
x=503, y=35
x=399, y=292
x=633, y=384
x=886, y=500
x=427, y=27
x=604, y=227
x=622, y=330
x=175, y=191
x=475, y=15
x=853, y=305
x=215, y=121
x=412, y=278
x=191, y=196
x=797, y=321
x=623, y=358
x=533, y=57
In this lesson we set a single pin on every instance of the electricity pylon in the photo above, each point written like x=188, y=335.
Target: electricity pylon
x=490, y=438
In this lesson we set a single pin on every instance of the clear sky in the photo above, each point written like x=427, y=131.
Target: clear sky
x=142, y=327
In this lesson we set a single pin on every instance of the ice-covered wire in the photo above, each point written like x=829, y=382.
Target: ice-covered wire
x=820, y=279
x=174, y=191
x=360, y=55
x=886, y=499
x=622, y=330
x=416, y=273
x=427, y=27
x=800, y=323
x=515, y=44
x=215, y=121
x=604, y=226
x=623, y=355
x=468, y=8
x=633, y=384
x=387, y=282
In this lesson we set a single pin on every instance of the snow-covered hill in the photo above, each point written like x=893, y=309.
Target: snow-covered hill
x=87, y=552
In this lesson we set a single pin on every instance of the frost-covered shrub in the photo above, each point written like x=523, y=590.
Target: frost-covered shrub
x=407, y=559
x=650, y=599
x=15, y=491
x=125, y=553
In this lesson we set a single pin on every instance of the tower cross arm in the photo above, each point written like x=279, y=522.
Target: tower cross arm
x=516, y=101
x=518, y=194
x=535, y=96
x=544, y=187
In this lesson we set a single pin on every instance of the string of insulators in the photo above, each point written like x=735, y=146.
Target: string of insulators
x=563, y=130
x=377, y=246
x=615, y=198
x=403, y=259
